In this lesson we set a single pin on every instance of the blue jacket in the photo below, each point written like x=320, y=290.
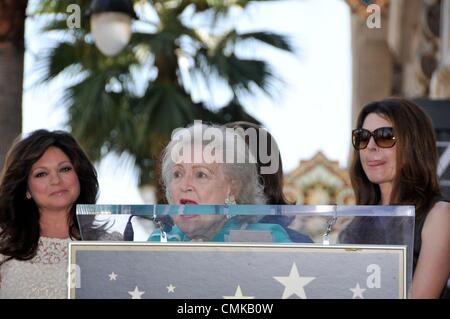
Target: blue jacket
x=279, y=235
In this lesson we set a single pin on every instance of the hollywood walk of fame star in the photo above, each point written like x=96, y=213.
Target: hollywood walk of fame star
x=294, y=284
x=136, y=294
x=238, y=295
x=112, y=276
x=171, y=288
x=357, y=292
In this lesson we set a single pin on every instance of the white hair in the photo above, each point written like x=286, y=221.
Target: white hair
x=241, y=171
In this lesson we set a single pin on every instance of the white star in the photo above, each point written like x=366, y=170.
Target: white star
x=136, y=294
x=294, y=284
x=112, y=276
x=171, y=288
x=357, y=292
x=238, y=295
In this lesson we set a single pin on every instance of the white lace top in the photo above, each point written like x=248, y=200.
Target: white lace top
x=44, y=276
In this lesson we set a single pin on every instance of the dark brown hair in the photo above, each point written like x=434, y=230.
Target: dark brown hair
x=416, y=181
x=273, y=183
x=19, y=216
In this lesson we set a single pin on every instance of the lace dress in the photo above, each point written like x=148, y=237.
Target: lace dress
x=44, y=276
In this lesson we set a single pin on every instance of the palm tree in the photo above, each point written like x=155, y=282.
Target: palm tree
x=112, y=109
x=12, y=25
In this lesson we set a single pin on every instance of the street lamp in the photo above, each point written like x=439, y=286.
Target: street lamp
x=111, y=24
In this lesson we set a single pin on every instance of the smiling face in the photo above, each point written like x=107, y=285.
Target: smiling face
x=378, y=163
x=52, y=182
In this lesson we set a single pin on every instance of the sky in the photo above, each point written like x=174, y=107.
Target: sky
x=311, y=112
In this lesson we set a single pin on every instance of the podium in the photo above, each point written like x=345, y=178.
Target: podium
x=348, y=252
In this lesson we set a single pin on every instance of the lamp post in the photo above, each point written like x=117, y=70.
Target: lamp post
x=111, y=24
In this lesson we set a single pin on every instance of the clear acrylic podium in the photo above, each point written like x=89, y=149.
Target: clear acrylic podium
x=257, y=251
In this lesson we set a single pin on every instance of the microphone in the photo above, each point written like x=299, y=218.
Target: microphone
x=164, y=222
x=128, y=234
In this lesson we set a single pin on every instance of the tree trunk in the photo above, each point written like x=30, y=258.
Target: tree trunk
x=12, y=29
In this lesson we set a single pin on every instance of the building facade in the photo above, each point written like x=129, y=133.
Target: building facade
x=407, y=54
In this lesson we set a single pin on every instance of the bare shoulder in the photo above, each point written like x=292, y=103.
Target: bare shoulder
x=440, y=210
x=438, y=216
x=433, y=266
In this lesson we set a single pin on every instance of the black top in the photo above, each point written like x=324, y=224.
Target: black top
x=376, y=230
x=284, y=221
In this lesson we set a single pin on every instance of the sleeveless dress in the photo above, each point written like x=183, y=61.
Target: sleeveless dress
x=378, y=230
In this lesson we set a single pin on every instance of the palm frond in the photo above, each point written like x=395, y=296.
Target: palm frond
x=56, y=60
x=239, y=73
x=273, y=39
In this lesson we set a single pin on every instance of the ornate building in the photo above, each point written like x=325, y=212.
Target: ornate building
x=408, y=55
x=319, y=181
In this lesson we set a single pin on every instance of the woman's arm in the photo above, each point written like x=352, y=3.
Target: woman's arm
x=433, y=265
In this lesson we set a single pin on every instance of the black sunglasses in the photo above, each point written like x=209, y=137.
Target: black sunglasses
x=384, y=137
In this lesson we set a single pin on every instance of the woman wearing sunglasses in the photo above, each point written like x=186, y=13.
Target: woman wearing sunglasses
x=395, y=163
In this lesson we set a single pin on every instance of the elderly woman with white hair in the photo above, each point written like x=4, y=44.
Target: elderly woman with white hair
x=205, y=164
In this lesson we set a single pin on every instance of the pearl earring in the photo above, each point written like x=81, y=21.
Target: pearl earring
x=229, y=200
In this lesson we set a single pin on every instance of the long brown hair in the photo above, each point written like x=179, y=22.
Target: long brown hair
x=19, y=216
x=273, y=183
x=416, y=181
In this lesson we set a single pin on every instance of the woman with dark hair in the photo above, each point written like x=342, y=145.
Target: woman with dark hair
x=44, y=177
x=395, y=163
x=273, y=181
x=272, y=176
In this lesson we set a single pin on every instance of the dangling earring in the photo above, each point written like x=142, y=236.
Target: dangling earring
x=229, y=200
x=27, y=195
